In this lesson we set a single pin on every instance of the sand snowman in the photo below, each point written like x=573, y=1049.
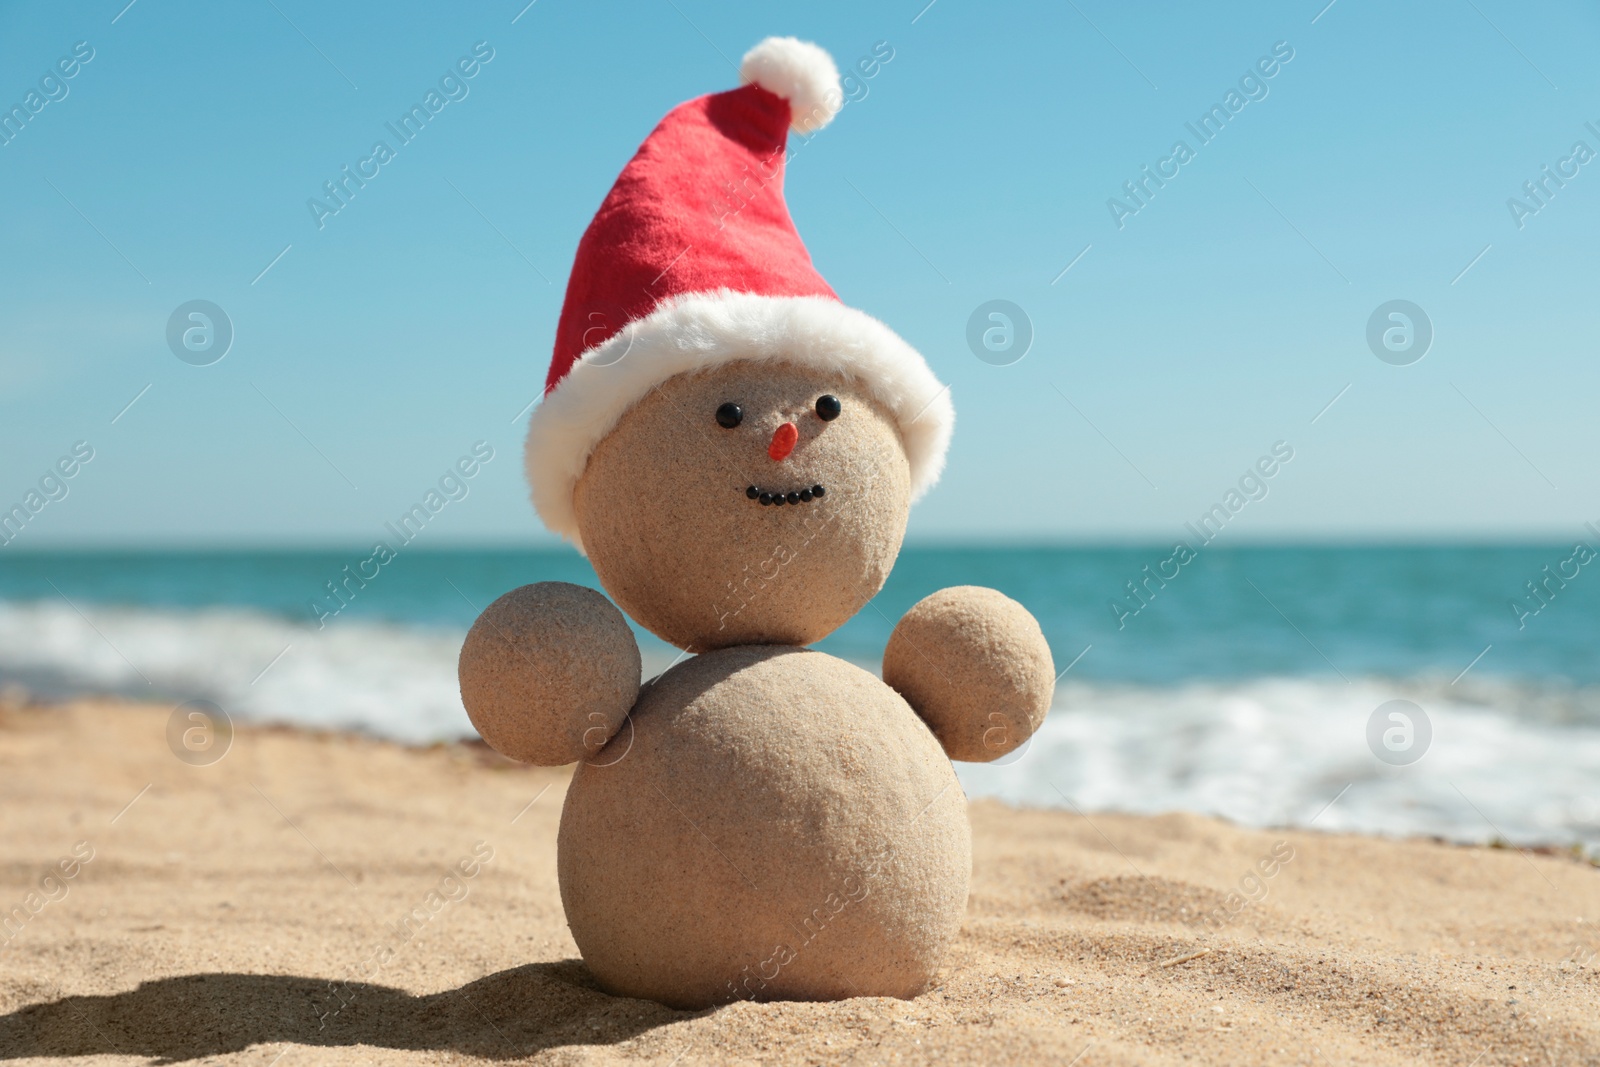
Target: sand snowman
x=737, y=452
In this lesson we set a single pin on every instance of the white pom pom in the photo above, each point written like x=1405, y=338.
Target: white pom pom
x=799, y=72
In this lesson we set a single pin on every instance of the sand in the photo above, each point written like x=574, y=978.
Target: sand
x=239, y=913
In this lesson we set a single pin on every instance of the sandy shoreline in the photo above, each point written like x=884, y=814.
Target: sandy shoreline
x=239, y=912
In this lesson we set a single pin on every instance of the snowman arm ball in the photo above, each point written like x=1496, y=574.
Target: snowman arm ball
x=974, y=665
x=549, y=672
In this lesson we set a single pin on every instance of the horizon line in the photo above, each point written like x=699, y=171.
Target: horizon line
x=1018, y=542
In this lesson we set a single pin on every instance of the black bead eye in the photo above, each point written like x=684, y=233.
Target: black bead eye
x=828, y=408
x=730, y=415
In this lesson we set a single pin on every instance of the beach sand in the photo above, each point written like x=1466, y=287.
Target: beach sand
x=231, y=912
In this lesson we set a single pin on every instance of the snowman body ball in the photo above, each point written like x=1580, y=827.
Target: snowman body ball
x=737, y=451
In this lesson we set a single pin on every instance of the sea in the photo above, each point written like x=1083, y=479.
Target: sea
x=1442, y=691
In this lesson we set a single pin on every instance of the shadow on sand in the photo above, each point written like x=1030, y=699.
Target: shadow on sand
x=502, y=1016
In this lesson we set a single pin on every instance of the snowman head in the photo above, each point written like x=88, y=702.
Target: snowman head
x=704, y=371
x=754, y=502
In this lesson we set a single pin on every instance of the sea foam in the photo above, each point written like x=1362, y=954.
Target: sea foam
x=1507, y=758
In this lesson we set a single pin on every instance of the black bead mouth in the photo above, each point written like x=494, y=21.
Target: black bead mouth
x=767, y=498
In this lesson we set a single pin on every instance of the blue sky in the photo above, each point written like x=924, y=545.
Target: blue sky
x=977, y=164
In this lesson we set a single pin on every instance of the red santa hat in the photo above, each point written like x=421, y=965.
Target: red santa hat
x=693, y=261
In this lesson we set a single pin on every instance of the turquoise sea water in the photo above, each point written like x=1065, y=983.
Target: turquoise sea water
x=1240, y=682
x=1232, y=613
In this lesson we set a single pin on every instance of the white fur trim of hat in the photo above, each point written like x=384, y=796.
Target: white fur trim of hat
x=697, y=331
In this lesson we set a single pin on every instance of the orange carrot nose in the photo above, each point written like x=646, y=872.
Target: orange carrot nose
x=783, y=439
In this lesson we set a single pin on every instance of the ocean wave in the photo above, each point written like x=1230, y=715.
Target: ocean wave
x=391, y=681
x=1507, y=758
